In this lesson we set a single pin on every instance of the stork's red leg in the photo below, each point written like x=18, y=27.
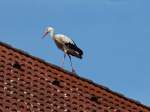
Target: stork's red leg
x=63, y=60
x=73, y=70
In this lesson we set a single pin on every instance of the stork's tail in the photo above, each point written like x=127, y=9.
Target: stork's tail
x=80, y=53
x=73, y=50
x=77, y=53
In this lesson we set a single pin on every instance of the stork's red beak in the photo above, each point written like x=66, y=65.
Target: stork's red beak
x=46, y=33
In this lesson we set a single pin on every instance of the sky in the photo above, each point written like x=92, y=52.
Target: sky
x=114, y=35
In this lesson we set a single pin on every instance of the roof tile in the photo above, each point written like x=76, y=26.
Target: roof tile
x=29, y=84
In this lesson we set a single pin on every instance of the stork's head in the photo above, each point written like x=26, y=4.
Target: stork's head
x=48, y=30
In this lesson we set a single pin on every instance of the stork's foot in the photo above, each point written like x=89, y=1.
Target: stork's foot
x=62, y=66
x=73, y=71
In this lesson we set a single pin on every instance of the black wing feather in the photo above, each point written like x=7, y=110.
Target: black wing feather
x=74, y=47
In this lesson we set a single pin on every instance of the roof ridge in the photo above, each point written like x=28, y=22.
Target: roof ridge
x=75, y=75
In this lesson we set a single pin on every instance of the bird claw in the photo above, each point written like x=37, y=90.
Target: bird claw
x=62, y=66
x=73, y=71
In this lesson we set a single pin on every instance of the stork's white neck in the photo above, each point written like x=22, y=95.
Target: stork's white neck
x=52, y=34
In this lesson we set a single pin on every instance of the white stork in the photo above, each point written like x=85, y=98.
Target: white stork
x=65, y=44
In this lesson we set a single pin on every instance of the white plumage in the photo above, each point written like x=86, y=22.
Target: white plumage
x=65, y=44
x=64, y=38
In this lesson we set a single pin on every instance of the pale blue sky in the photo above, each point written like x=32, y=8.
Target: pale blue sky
x=114, y=34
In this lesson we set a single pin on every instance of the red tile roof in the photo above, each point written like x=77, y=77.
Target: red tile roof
x=29, y=84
